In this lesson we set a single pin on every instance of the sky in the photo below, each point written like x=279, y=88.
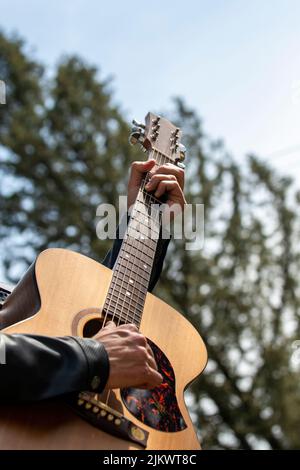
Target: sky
x=236, y=62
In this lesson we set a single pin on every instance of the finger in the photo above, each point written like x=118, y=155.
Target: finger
x=130, y=326
x=166, y=186
x=138, y=170
x=155, y=180
x=170, y=169
x=110, y=324
x=149, y=351
x=152, y=363
x=154, y=379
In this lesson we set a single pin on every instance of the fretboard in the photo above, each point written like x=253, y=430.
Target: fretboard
x=132, y=271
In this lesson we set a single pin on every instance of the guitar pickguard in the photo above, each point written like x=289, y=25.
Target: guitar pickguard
x=158, y=407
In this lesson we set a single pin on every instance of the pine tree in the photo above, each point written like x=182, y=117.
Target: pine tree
x=241, y=292
x=64, y=150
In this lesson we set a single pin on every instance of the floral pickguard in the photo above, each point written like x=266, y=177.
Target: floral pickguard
x=158, y=407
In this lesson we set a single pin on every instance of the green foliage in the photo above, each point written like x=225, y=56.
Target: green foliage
x=64, y=149
x=241, y=292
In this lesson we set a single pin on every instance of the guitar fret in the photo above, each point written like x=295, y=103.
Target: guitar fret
x=135, y=262
x=140, y=288
x=138, y=250
x=133, y=243
x=121, y=272
x=120, y=282
x=122, y=317
x=149, y=211
x=146, y=196
x=124, y=299
x=149, y=226
x=120, y=287
x=130, y=307
x=137, y=256
x=146, y=219
x=142, y=233
x=116, y=307
x=141, y=246
x=123, y=314
x=144, y=272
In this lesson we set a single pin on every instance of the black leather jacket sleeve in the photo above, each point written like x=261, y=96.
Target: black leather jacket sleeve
x=39, y=367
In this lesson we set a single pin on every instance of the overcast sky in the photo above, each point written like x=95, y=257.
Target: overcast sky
x=237, y=62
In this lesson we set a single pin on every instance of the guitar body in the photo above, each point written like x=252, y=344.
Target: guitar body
x=69, y=290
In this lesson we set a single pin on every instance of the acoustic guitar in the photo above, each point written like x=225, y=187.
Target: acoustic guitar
x=66, y=293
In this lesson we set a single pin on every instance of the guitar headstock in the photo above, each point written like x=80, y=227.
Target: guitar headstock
x=159, y=136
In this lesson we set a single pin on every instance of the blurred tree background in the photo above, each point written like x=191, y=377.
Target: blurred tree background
x=64, y=149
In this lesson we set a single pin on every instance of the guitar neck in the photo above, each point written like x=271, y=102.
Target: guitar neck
x=132, y=272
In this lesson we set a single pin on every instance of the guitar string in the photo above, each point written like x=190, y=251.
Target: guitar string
x=131, y=262
x=113, y=287
x=156, y=221
x=144, y=246
x=127, y=236
x=117, y=271
x=120, y=289
x=142, y=250
x=133, y=249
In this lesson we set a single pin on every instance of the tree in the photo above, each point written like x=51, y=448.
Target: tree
x=63, y=150
x=242, y=294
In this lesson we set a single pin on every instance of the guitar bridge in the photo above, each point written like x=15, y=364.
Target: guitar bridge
x=107, y=419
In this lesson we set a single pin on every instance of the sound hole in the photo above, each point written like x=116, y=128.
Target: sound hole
x=92, y=327
x=158, y=408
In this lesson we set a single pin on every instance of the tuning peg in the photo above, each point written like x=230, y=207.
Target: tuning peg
x=182, y=152
x=180, y=164
x=136, y=137
x=138, y=124
x=133, y=138
x=156, y=120
x=136, y=129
